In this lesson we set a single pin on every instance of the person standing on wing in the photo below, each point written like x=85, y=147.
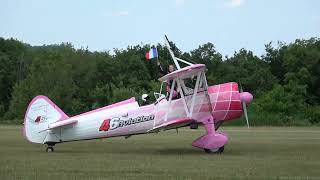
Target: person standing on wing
x=163, y=72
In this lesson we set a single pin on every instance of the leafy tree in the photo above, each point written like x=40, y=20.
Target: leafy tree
x=47, y=78
x=11, y=69
x=206, y=54
x=299, y=62
x=249, y=70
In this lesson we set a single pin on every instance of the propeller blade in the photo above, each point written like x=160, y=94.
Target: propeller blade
x=244, y=107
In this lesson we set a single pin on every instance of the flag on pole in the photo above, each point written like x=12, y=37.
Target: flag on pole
x=153, y=53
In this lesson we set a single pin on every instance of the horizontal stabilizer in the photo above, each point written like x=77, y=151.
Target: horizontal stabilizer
x=59, y=124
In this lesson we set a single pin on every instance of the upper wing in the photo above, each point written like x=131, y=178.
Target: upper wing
x=60, y=124
x=177, y=123
x=185, y=72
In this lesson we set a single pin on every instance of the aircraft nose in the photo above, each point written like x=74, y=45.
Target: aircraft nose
x=246, y=97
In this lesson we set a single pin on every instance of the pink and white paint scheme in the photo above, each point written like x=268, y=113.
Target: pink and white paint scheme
x=198, y=104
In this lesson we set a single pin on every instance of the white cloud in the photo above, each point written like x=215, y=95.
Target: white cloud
x=180, y=2
x=235, y=3
x=114, y=14
x=120, y=13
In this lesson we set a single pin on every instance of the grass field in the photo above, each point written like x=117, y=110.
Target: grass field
x=258, y=153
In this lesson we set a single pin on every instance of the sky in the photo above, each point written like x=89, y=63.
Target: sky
x=102, y=25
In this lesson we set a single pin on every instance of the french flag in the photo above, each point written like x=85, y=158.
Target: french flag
x=153, y=53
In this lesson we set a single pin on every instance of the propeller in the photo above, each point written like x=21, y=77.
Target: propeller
x=244, y=107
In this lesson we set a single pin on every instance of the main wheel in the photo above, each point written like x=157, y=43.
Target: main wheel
x=219, y=150
x=49, y=149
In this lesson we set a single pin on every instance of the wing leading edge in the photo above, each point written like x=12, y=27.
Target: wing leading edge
x=185, y=72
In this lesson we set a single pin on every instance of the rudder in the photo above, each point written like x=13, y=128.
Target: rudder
x=40, y=113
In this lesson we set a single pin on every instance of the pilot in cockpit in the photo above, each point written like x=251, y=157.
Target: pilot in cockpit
x=163, y=72
x=145, y=99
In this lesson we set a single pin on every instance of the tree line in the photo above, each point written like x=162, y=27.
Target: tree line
x=285, y=81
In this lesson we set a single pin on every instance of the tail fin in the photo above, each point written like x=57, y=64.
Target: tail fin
x=40, y=113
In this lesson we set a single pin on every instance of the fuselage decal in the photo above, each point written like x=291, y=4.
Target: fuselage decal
x=116, y=122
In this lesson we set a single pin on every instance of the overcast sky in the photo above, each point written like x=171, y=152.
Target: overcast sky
x=105, y=24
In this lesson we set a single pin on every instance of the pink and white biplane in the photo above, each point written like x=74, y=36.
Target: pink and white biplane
x=198, y=104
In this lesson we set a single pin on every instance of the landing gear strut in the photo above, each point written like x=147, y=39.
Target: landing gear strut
x=218, y=151
x=212, y=141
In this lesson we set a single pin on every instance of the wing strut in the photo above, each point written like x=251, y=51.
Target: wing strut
x=207, y=94
x=170, y=99
x=179, y=81
x=195, y=91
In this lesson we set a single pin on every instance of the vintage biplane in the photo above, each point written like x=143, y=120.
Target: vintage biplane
x=197, y=104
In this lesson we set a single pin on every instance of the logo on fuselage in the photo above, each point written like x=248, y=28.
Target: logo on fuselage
x=116, y=122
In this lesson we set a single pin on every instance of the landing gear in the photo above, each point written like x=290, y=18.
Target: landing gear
x=217, y=151
x=212, y=141
x=49, y=149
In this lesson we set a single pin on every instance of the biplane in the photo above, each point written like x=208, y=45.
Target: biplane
x=196, y=104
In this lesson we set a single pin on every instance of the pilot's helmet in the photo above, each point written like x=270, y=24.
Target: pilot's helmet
x=145, y=97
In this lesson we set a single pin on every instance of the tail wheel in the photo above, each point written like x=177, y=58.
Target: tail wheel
x=49, y=149
x=218, y=151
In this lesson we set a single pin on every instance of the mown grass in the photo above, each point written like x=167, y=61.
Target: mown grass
x=257, y=153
